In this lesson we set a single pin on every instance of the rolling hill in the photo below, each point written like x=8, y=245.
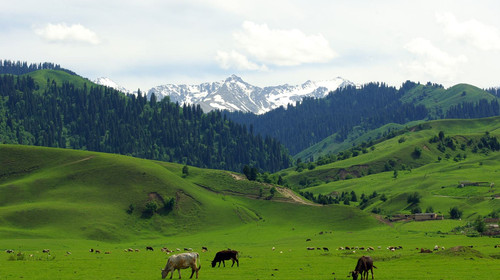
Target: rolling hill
x=415, y=160
x=54, y=193
x=70, y=201
x=318, y=126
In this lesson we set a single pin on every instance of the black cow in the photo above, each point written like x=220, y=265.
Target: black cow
x=364, y=265
x=149, y=248
x=225, y=255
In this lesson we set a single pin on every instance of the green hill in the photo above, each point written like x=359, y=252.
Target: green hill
x=69, y=201
x=55, y=109
x=59, y=77
x=52, y=193
x=438, y=100
x=416, y=161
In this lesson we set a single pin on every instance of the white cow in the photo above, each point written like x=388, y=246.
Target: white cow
x=182, y=261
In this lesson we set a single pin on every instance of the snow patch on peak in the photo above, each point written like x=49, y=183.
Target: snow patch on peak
x=107, y=82
x=234, y=94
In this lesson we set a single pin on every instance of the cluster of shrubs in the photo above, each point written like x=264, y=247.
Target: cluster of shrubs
x=485, y=144
x=153, y=207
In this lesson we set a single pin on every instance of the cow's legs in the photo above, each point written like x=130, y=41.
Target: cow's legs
x=179, y=272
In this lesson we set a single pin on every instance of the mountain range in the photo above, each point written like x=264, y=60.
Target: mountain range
x=234, y=94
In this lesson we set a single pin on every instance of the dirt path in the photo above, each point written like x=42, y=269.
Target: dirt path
x=80, y=160
x=379, y=218
x=288, y=193
x=237, y=177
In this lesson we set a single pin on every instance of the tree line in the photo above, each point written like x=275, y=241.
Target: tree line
x=22, y=67
x=301, y=125
x=368, y=107
x=97, y=118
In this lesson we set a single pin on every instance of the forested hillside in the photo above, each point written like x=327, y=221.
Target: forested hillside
x=368, y=107
x=22, y=67
x=58, y=112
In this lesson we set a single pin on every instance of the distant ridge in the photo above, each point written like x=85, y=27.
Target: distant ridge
x=234, y=94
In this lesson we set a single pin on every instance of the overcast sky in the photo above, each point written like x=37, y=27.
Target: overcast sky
x=145, y=43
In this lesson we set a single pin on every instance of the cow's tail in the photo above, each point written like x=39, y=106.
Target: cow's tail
x=199, y=261
x=374, y=266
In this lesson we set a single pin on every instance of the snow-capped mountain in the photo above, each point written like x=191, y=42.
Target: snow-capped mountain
x=110, y=83
x=234, y=94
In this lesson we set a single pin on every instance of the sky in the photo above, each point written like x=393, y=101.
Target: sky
x=146, y=43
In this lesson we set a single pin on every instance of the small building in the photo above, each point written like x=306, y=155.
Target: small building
x=416, y=217
x=427, y=216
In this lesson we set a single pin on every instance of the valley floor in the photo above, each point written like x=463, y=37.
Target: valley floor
x=290, y=258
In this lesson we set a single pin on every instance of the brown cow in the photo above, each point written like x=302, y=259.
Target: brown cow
x=224, y=255
x=365, y=264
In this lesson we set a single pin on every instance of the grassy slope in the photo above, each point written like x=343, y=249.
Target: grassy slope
x=436, y=181
x=41, y=77
x=437, y=100
x=74, y=200
x=330, y=145
x=51, y=193
x=440, y=100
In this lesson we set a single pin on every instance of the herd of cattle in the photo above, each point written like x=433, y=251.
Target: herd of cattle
x=191, y=259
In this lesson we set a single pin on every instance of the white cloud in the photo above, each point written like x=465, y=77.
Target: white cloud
x=480, y=35
x=236, y=60
x=275, y=47
x=283, y=47
x=432, y=61
x=61, y=32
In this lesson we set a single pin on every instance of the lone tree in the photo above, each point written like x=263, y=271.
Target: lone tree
x=480, y=225
x=417, y=153
x=455, y=213
x=150, y=209
x=185, y=171
x=272, y=191
x=413, y=198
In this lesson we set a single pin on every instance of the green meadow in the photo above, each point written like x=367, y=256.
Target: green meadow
x=73, y=201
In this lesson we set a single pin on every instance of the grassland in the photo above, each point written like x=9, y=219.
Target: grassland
x=435, y=174
x=70, y=201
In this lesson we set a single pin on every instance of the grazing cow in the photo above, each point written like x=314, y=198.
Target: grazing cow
x=225, y=255
x=422, y=250
x=310, y=248
x=45, y=251
x=149, y=248
x=204, y=249
x=12, y=251
x=182, y=261
x=91, y=250
x=97, y=251
x=325, y=249
x=365, y=264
